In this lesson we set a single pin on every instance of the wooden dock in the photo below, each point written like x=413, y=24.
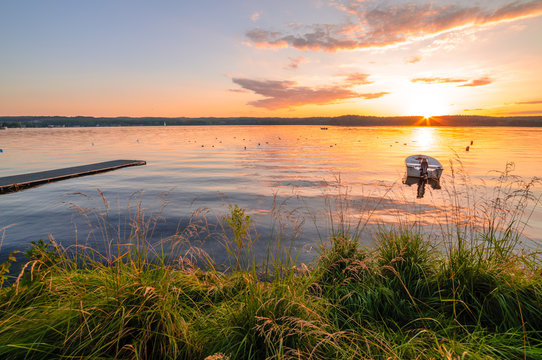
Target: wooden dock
x=14, y=183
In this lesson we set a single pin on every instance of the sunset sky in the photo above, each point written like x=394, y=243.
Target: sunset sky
x=291, y=58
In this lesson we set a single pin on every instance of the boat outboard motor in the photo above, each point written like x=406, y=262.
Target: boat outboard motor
x=423, y=168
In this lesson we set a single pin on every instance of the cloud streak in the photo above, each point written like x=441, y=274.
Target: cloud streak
x=478, y=82
x=284, y=94
x=357, y=79
x=522, y=113
x=295, y=62
x=413, y=60
x=534, y=102
x=374, y=24
x=445, y=80
x=437, y=80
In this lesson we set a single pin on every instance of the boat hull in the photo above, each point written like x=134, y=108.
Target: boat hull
x=413, y=165
x=415, y=171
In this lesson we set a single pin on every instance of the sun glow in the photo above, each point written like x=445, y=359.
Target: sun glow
x=427, y=104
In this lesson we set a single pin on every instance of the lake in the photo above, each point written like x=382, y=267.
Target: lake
x=288, y=178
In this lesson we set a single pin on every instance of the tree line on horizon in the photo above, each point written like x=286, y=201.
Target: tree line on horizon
x=345, y=120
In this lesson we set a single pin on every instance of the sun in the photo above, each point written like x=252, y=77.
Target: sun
x=427, y=103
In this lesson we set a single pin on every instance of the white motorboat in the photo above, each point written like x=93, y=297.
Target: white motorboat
x=414, y=167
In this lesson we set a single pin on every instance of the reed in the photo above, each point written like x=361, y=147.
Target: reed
x=475, y=294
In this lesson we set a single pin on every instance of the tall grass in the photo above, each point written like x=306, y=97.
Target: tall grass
x=474, y=295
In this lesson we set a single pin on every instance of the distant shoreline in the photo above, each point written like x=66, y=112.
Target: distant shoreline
x=345, y=120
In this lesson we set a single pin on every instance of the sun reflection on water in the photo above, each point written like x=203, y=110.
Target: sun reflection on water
x=425, y=137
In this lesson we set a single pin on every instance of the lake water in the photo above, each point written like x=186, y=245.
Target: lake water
x=286, y=177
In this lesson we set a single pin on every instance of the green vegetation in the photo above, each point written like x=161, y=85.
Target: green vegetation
x=473, y=295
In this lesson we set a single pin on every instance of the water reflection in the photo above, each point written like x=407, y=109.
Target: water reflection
x=421, y=182
x=209, y=166
x=424, y=137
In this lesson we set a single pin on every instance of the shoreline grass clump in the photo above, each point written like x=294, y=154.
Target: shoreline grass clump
x=474, y=295
x=402, y=300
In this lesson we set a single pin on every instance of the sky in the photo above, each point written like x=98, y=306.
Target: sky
x=261, y=58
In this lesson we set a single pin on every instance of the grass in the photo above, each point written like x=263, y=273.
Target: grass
x=474, y=295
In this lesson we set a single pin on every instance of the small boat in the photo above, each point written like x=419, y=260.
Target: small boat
x=323, y=128
x=414, y=167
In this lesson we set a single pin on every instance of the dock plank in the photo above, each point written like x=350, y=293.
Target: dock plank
x=14, y=183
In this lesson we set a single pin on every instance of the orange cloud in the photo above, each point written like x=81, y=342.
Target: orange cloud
x=381, y=25
x=534, y=102
x=437, y=80
x=478, y=82
x=357, y=79
x=283, y=94
x=377, y=95
x=444, y=80
x=523, y=113
x=413, y=59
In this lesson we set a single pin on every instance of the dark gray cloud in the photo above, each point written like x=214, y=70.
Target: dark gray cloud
x=295, y=62
x=284, y=94
x=238, y=90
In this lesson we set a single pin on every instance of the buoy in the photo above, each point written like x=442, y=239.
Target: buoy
x=472, y=142
x=467, y=148
x=1, y=150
